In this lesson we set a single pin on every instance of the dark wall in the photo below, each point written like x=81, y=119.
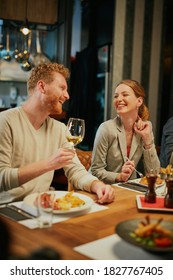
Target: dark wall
x=166, y=89
x=97, y=30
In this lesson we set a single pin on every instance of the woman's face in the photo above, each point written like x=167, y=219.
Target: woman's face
x=125, y=100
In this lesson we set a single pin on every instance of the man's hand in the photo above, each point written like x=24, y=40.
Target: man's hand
x=62, y=158
x=105, y=193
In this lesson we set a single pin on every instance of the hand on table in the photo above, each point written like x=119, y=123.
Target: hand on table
x=105, y=193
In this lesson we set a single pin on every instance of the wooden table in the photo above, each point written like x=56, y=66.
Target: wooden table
x=64, y=236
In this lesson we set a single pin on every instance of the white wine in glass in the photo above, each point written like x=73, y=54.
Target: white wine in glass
x=76, y=131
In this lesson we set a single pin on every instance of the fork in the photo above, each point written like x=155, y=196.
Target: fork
x=138, y=172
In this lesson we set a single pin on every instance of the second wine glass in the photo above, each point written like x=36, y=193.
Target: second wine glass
x=76, y=131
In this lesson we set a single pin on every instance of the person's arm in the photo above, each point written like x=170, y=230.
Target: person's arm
x=19, y=160
x=167, y=142
x=106, y=134
x=151, y=160
x=108, y=164
x=62, y=158
x=81, y=179
x=13, y=175
x=105, y=193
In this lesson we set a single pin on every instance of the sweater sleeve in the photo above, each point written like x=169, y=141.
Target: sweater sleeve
x=151, y=159
x=8, y=175
x=106, y=134
x=166, y=143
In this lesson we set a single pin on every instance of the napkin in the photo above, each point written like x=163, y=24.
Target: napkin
x=57, y=218
x=114, y=248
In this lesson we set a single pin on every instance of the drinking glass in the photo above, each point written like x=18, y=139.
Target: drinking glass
x=45, y=208
x=76, y=131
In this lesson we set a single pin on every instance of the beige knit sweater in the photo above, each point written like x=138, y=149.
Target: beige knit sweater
x=21, y=144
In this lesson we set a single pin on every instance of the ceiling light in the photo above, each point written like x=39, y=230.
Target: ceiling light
x=25, y=28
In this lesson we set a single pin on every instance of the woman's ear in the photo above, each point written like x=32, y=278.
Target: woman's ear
x=140, y=101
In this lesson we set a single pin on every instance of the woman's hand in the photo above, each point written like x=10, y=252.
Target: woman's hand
x=144, y=129
x=127, y=170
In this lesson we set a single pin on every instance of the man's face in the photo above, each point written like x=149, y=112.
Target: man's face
x=55, y=94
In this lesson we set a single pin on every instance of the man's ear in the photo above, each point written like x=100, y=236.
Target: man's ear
x=41, y=86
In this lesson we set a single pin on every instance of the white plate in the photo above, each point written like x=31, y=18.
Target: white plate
x=30, y=199
x=138, y=182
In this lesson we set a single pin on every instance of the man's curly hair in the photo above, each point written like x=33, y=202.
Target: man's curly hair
x=45, y=72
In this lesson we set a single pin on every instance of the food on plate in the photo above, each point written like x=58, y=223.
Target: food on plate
x=152, y=234
x=68, y=201
x=65, y=202
x=45, y=200
x=143, y=181
x=167, y=170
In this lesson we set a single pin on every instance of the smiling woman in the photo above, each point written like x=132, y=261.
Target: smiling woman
x=129, y=135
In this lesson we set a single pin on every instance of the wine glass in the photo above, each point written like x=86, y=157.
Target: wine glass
x=76, y=131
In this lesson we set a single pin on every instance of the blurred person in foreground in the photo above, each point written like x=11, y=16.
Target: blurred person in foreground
x=6, y=253
x=121, y=142
x=166, y=149
x=5, y=241
x=32, y=144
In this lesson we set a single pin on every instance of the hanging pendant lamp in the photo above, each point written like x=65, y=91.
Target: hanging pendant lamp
x=25, y=26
